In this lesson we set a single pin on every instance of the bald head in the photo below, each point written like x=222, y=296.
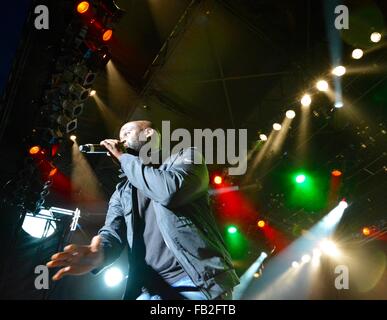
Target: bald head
x=135, y=134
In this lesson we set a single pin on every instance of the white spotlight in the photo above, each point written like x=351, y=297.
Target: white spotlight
x=263, y=137
x=339, y=104
x=92, y=92
x=305, y=258
x=316, y=257
x=39, y=226
x=316, y=252
x=357, y=53
x=375, y=37
x=339, y=71
x=335, y=215
x=290, y=114
x=295, y=264
x=73, y=137
x=306, y=100
x=329, y=248
x=277, y=126
x=322, y=85
x=343, y=204
x=113, y=276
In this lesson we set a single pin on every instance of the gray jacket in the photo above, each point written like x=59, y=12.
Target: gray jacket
x=178, y=190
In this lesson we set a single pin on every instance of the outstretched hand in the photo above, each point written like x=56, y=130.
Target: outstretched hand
x=77, y=260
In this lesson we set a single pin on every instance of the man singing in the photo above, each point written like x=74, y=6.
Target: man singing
x=162, y=212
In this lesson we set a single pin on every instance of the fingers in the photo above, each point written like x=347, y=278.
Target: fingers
x=57, y=263
x=67, y=255
x=70, y=248
x=60, y=256
x=62, y=272
x=95, y=244
x=109, y=143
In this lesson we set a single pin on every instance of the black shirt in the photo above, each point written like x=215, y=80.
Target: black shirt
x=157, y=254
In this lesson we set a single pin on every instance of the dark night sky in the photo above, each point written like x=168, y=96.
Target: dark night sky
x=11, y=24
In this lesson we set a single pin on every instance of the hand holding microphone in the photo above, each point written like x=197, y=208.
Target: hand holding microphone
x=108, y=146
x=114, y=147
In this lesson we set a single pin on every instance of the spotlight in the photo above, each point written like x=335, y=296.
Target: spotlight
x=339, y=104
x=93, y=92
x=316, y=252
x=300, y=178
x=305, y=258
x=339, y=71
x=366, y=231
x=40, y=225
x=261, y=223
x=306, y=100
x=86, y=76
x=322, y=85
x=83, y=7
x=72, y=108
x=357, y=54
x=99, y=58
x=34, y=150
x=343, y=205
x=232, y=229
x=67, y=123
x=256, y=275
x=107, y=34
x=336, y=173
x=277, y=126
x=218, y=179
x=316, y=257
x=295, y=264
x=53, y=171
x=290, y=114
x=329, y=248
x=73, y=137
x=375, y=37
x=113, y=276
x=79, y=92
x=263, y=137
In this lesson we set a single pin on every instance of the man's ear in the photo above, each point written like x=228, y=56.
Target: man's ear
x=148, y=132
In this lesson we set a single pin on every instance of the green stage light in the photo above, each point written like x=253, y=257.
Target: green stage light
x=232, y=229
x=300, y=178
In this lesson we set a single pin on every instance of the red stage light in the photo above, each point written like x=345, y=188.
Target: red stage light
x=107, y=34
x=83, y=7
x=218, y=180
x=53, y=172
x=366, y=231
x=336, y=173
x=261, y=223
x=34, y=149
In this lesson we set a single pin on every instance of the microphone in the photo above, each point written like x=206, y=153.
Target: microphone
x=92, y=148
x=99, y=149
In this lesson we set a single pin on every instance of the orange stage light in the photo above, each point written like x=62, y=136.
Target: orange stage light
x=34, y=149
x=107, y=34
x=336, y=173
x=366, y=231
x=261, y=223
x=218, y=180
x=82, y=7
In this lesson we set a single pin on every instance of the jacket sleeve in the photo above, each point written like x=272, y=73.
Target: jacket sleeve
x=113, y=233
x=181, y=183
